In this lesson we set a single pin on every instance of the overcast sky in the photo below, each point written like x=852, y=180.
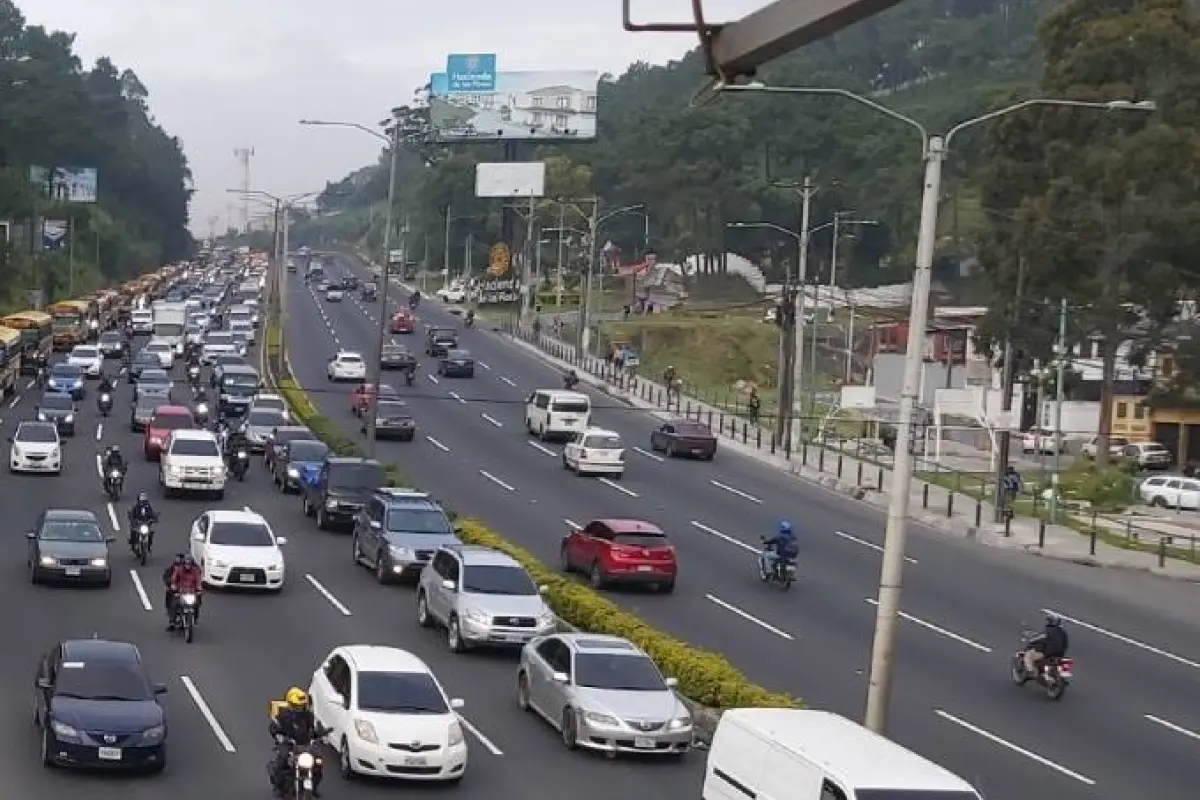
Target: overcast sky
x=229, y=74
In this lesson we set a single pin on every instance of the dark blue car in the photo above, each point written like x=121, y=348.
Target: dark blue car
x=297, y=462
x=96, y=707
x=456, y=364
x=67, y=379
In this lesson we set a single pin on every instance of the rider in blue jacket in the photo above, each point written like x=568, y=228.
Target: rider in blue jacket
x=781, y=545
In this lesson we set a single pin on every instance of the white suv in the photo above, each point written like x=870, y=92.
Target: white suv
x=595, y=451
x=88, y=358
x=191, y=462
x=347, y=366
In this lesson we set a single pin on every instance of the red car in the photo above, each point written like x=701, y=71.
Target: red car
x=627, y=551
x=403, y=322
x=361, y=398
x=165, y=420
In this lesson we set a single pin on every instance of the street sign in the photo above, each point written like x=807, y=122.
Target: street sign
x=501, y=260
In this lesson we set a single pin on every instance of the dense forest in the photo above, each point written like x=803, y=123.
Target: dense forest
x=54, y=114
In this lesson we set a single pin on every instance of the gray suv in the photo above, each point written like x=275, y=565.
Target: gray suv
x=398, y=531
x=483, y=598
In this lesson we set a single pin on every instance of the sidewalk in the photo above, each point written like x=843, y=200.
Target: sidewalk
x=856, y=469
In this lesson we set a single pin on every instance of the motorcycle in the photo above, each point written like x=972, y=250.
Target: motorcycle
x=1054, y=674
x=302, y=766
x=782, y=573
x=410, y=375
x=185, y=615
x=570, y=383
x=114, y=482
x=193, y=374
x=105, y=403
x=202, y=413
x=141, y=543
x=470, y=321
x=239, y=463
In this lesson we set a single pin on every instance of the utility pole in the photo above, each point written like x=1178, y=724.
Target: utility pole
x=530, y=294
x=1060, y=352
x=372, y=414
x=446, y=251
x=585, y=300
x=807, y=190
x=243, y=156
x=558, y=267
x=1008, y=389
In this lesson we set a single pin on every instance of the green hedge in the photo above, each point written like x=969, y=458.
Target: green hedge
x=705, y=677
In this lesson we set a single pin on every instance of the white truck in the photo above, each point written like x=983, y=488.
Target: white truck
x=170, y=322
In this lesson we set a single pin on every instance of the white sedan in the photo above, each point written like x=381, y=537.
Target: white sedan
x=88, y=358
x=347, y=366
x=455, y=293
x=162, y=350
x=36, y=448
x=238, y=548
x=389, y=716
x=595, y=451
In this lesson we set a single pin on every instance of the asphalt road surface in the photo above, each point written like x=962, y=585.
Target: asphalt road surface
x=250, y=647
x=1130, y=724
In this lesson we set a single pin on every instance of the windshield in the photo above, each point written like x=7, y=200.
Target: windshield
x=691, y=429
x=400, y=692
x=356, y=476
x=219, y=339
x=571, y=406
x=194, y=447
x=392, y=410
x=417, y=520
x=57, y=402
x=240, y=380
x=36, y=433
x=1155, y=448
x=395, y=350
x=154, y=376
x=270, y=403
x=102, y=680
x=603, y=442
x=65, y=371
x=445, y=336
x=148, y=405
x=167, y=329
x=621, y=673
x=71, y=531
x=173, y=421
x=143, y=316
x=265, y=418
x=111, y=338
x=458, y=354
x=146, y=358
x=350, y=359
x=229, y=360
x=85, y=352
x=307, y=451
x=496, y=579
x=640, y=539
x=241, y=534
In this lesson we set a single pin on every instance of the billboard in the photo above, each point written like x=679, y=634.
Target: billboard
x=510, y=179
x=471, y=73
x=543, y=106
x=55, y=234
x=66, y=184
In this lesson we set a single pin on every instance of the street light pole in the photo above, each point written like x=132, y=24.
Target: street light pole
x=373, y=415
x=795, y=428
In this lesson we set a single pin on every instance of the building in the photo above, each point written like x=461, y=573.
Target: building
x=556, y=108
x=1131, y=417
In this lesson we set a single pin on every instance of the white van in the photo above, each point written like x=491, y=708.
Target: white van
x=551, y=413
x=142, y=320
x=778, y=753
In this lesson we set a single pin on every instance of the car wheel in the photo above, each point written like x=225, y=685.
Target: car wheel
x=666, y=587
x=423, y=617
x=564, y=560
x=382, y=572
x=1160, y=502
x=670, y=451
x=33, y=574
x=306, y=506
x=454, y=638
x=355, y=551
x=47, y=758
x=322, y=520
x=596, y=576
x=523, y=692
x=569, y=732
x=345, y=762
x=566, y=465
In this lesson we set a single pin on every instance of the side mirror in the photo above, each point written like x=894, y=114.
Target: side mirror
x=457, y=702
x=336, y=699
x=160, y=688
x=672, y=682
x=376, y=525
x=198, y=537
x=458, y=528
x=561, y=677
x=281, y=540
x=543, y=589
x=44, y=684
x=449, y=585
x=31, y=535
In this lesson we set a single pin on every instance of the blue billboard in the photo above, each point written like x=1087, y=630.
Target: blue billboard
x=471, y=73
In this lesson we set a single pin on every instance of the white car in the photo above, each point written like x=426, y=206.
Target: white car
x=218, y=343
x=162, y=350
x=270, y=402
x=1171, y=491
x=1043, y=441
x=334, y=295
x=191, y=462
x=238, y=548
x=88, y=358
x=455, y=293
x=595, y=451
x=389, y=716
x=1116, y=446
x=142, y=321
x=347, y=366
x=36, y=448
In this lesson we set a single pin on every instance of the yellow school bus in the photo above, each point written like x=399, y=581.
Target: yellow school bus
x=70, y=323
x=37, y=336
x=10, y=360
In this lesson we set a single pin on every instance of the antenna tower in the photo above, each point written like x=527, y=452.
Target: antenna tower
x=243, y=155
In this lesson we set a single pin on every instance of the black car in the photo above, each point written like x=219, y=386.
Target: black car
x=439, y=341
x=142, y=411
x=369, y=292
x=95, y=707
x=456, y=364
x=141, y=361
x=350, y=283
x=396, y=356
x=111, y=344
x=393, y=420
x=59, y=408
x=335, y=493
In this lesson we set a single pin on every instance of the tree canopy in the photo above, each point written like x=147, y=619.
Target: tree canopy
x=54, y=113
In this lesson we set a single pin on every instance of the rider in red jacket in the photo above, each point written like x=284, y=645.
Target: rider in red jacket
x=181, y=577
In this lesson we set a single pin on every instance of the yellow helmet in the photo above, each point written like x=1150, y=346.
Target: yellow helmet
x=297, y=697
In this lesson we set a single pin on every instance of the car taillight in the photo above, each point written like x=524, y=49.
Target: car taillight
x=623, y=553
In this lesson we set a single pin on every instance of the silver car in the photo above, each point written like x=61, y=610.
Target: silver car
x=259, y=424
x=481, y=597
x=602, y=693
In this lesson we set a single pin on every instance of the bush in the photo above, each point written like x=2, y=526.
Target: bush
x=705, y=677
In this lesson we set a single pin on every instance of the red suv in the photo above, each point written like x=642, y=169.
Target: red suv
x=627, y=551
x=165, y=420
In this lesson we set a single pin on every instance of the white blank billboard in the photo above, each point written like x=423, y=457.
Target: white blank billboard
x=510, y=179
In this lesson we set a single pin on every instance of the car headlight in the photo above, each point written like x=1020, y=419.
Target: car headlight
x=292, y=472
x=401, y=553
x=454, y=734
x=330, y=505
x=99, y=562
x=475, y=615
x=596, y=718
x=155, y=734
x=63, y=730
x=69, y=418
x=680, y=723
x=365, y=731
x=547, y=620
x=41, y=417
x=47, y=561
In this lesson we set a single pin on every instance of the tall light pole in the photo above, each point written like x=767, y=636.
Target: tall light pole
x=934, y=151
x=392, y=139
x=594, y=224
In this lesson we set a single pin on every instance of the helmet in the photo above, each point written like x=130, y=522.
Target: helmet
x=1053, y=620
x=297, y=698
x=188, y=560
x=785, y=527
x=180, y=557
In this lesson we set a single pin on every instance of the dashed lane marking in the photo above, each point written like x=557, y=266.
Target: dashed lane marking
x=489, y=476
x=437, y=444
x=207, y=713
x=328, y=595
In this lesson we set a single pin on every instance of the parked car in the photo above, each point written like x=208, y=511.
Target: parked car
x=1171, y=491
x=620, y=551
x=1116, y=446
x=1042, y=440
x=1148, y=455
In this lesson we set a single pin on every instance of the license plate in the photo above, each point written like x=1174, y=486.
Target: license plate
x=246, y=578
x=644, y=568
x=643, y=743
x=414, y=761
x=110, y=754
x=73, y=572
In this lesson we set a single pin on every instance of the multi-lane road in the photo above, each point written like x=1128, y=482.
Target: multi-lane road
x=1131, y=723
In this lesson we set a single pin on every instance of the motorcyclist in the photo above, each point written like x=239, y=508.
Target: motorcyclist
x=470, y=317
x=106, y=385
x=294, y=724
x=414, y=299
x=780, y=546
x=114, y=460
x=141, y=513
x=182, y=576
x=1052, y=642
x=235, y=441
x=570, y=380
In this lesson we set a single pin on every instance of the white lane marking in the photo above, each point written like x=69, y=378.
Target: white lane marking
x=328, y=595
x=485, y=366
x=738, y=492
x=432, y=379
x=609, y=482
x=99, y=467
x=766, y=626
x=112, y=517
x=541, y=447
x=994, y=739
x=14, y=401
x=869, y=545
x=507, y=380
x=725, y=537
x=483, y=740
x=141, y=590
x=649, y=455
x=1149, y=648
x=99, y=431
x=30, y=385
x=456, y=396
x=493, y=420
x=496, y=480
x=929, y=626
x=1171, y=726
x=437, y=444
x=208, y=714
x=573, y=524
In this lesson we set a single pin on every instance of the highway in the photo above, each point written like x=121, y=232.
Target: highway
x=250, y=647
x=1130, y=724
